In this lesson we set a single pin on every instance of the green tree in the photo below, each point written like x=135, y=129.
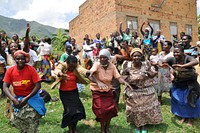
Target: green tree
x=58, y=40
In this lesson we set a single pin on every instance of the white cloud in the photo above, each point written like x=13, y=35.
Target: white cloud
x=55, y=13
x=12, y=6
x=198, y=6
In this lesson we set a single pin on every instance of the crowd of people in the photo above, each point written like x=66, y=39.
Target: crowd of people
x=147, y=66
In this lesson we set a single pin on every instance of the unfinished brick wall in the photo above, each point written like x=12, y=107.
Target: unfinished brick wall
x=104, y=16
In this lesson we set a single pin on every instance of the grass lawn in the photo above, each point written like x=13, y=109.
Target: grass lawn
x=51, y=122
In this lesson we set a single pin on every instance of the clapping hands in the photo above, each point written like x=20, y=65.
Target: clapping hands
x=20, y=104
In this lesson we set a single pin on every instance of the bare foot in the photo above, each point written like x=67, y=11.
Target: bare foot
x=107, y=130
x=181, y=121
x=189, y=122
x=70, y=131
x=54, y=99
x=76, y=131
x=103, y=132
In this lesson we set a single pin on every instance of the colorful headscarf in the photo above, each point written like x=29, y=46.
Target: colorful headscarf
x=147, y=28
x=105, y=52
x=27, y=55
x=135, y=50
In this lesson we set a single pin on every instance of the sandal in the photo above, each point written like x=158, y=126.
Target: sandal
x=144, y=131
x=136, y=130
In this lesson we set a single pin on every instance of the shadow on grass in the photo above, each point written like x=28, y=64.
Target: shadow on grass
x=166, y=101
x=85, y=95
x=160, y=128
x=47, y=121
x=195, y=122
x=175, y=120
x=122, y=107
x=96, y=129
x=83, y=128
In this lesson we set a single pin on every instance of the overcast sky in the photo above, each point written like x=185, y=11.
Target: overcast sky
x=56, y=13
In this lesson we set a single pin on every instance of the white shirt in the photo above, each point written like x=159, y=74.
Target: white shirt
x=33, y=57
x=44, y=49
x=88, y=47
x=154, y=58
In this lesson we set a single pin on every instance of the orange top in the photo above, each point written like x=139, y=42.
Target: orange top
x=126, y=53
x=103, y=75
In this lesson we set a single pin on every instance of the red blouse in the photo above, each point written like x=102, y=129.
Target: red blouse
x=69, y=85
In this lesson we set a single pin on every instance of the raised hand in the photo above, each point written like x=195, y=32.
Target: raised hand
x=28, y=28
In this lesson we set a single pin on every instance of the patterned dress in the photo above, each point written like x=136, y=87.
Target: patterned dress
x=45, y=51
x=142, y=106
x=164, y=75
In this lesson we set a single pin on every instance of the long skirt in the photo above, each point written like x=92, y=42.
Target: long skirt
x=26, y=119
x=143, y=108
x=180, y=105
x=103, y=105
x=73, y=108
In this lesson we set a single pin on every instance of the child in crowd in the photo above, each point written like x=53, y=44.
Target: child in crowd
x=76, y=54
x=96, y=51
x=154, y=57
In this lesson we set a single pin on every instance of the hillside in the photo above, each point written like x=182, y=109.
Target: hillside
x=18, y=26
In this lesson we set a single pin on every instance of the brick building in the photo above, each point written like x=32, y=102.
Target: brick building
x=104, y=16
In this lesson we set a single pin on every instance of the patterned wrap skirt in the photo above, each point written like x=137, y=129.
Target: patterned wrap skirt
x=142, y=107
x=45, y=69
x=104, y=105
x=26, y=119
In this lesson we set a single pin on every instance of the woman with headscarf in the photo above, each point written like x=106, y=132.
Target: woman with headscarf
x=147, y=42
x=142, y=106
x=101, y=77
x=28, y=105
